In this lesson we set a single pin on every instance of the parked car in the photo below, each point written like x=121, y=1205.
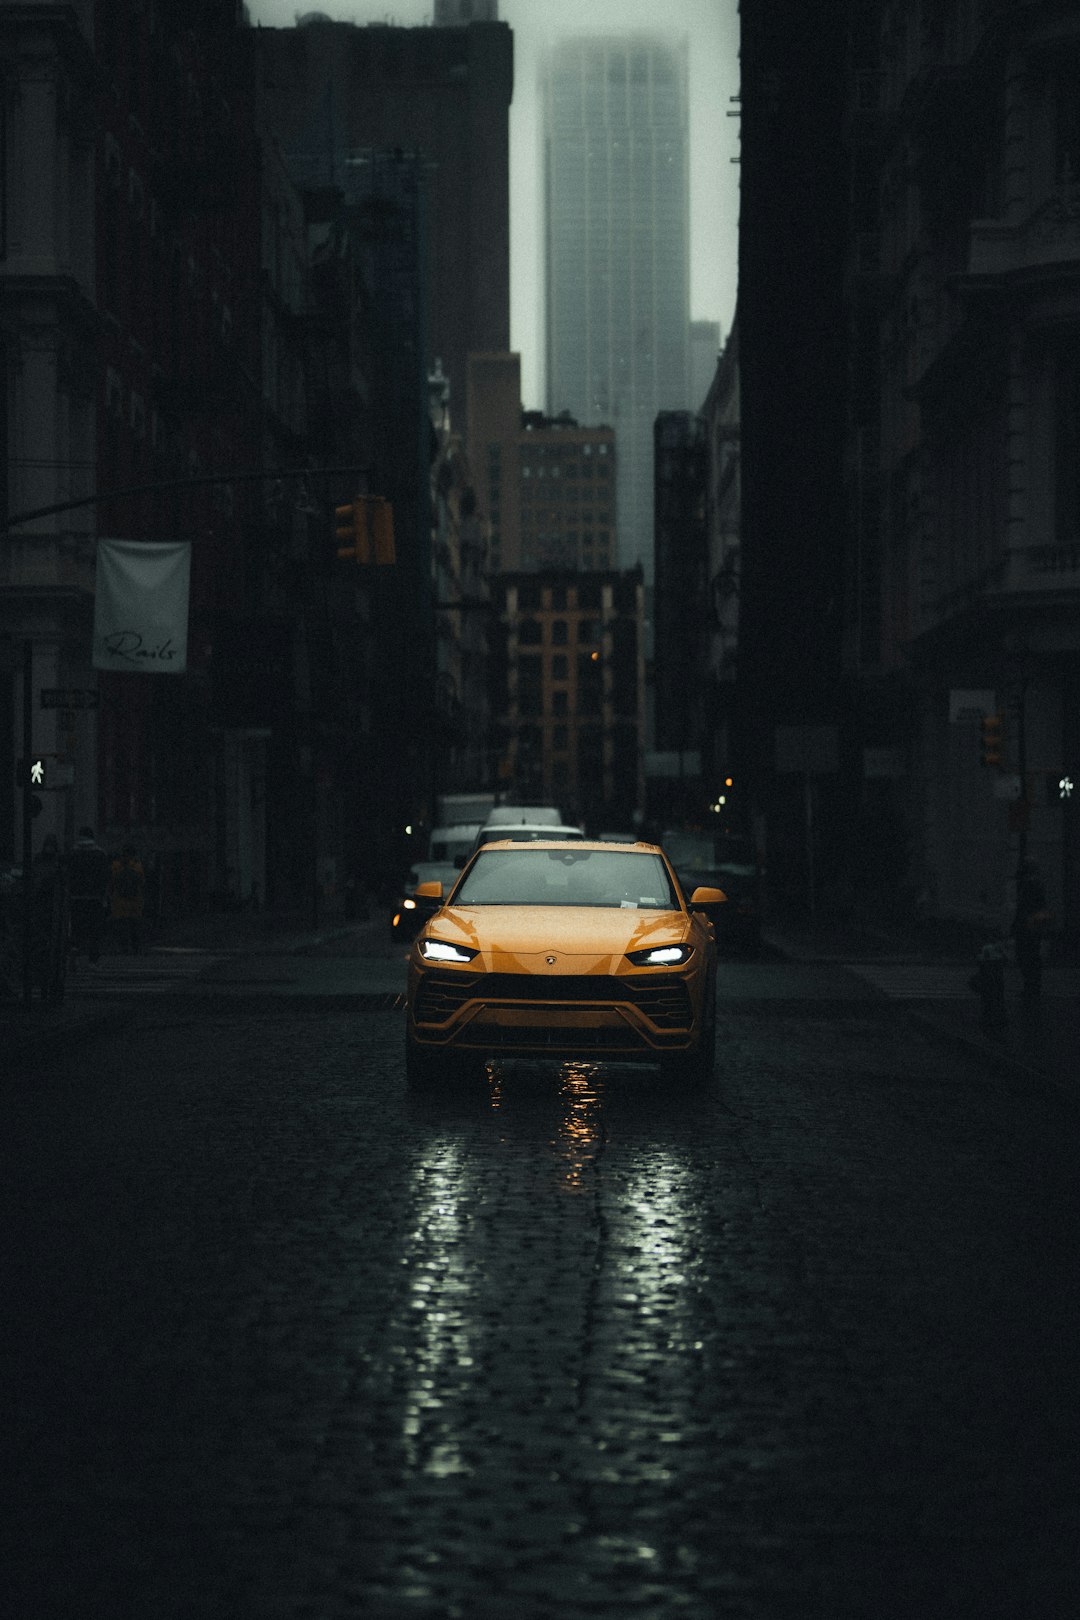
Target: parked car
x=729, y=861
x=571, y=948
x=411, y=910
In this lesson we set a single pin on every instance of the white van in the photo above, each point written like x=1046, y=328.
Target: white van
x=450, y=845
x=527, y=832
x=527, y=815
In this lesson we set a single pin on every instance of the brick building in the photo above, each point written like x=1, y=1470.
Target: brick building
x=568, y=691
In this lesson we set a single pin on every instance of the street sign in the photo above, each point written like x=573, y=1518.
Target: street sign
x=70, y=697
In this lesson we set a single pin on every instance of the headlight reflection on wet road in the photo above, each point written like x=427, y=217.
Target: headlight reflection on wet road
x=440, y=1292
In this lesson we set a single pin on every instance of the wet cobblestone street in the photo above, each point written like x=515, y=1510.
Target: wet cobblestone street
x=289, y=1342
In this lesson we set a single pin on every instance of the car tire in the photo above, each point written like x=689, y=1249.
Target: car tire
x=430, y=1068
x=421, y=1070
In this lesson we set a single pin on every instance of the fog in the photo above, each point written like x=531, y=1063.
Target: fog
x=712, y=27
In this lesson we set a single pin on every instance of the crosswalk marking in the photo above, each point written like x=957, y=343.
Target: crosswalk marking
x=948, y=981
x=157, y=973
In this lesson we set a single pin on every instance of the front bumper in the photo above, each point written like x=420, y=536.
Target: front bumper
x=639, y=1015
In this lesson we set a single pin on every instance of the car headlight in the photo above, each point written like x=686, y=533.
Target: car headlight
x=437, y=950
x=408, y=905
x=660, y=956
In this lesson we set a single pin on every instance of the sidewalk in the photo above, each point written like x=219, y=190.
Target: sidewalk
x=245, y=939
x=1041, y=1046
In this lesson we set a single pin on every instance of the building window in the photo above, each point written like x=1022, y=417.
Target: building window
x=559, y=667
x=560, y=703
x=559, y=739
x=530, y=633
x=559, y=633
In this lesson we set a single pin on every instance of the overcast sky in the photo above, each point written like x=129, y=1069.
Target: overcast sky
x=713, y=29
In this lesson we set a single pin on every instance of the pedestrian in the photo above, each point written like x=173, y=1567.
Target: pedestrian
x=127, y=891
x=45, y=866
x=1030, y=923
x=88, y=883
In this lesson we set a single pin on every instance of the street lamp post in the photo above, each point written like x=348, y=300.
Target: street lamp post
x=27, y=816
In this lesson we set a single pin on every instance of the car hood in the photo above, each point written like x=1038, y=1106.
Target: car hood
x=580, y=938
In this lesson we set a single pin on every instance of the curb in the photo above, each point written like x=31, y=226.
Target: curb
x=1003, y=1062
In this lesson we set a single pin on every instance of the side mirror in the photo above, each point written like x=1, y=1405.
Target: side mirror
x=707, y=897
x=428, y=891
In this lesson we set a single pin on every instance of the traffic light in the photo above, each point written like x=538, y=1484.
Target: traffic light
x=993, y=740
x=365, y=530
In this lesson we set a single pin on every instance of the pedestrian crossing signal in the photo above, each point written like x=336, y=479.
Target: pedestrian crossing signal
x=993, y=741
x=33, y=772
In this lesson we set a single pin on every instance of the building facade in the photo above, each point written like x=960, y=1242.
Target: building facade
x=568, y=692
x=963, y=438
x=463, y=747
x=704, y=354
x=331, y=92
x=188, y=334
x=548, y=486
x=680, y=605
x=723, y=518
x=616, y=239
x=793, y=369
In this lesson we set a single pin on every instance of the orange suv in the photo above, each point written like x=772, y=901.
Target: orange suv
x=563, y=949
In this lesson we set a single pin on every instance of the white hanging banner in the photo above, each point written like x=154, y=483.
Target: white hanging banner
x=141, y=606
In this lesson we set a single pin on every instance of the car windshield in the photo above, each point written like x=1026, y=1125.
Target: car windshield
x=567, y=877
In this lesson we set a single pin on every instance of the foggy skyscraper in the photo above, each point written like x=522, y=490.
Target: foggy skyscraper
x=616, y=200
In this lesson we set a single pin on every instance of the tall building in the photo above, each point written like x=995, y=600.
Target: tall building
x=451, y=12
x=616, y=178
x=681, y=597
x=568, y=691
x=962, y=443
x=546, y=484
x=331, y=92
x=704, y=353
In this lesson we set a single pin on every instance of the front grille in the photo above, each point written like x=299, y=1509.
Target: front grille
x=663, y=999
x=441, y=995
